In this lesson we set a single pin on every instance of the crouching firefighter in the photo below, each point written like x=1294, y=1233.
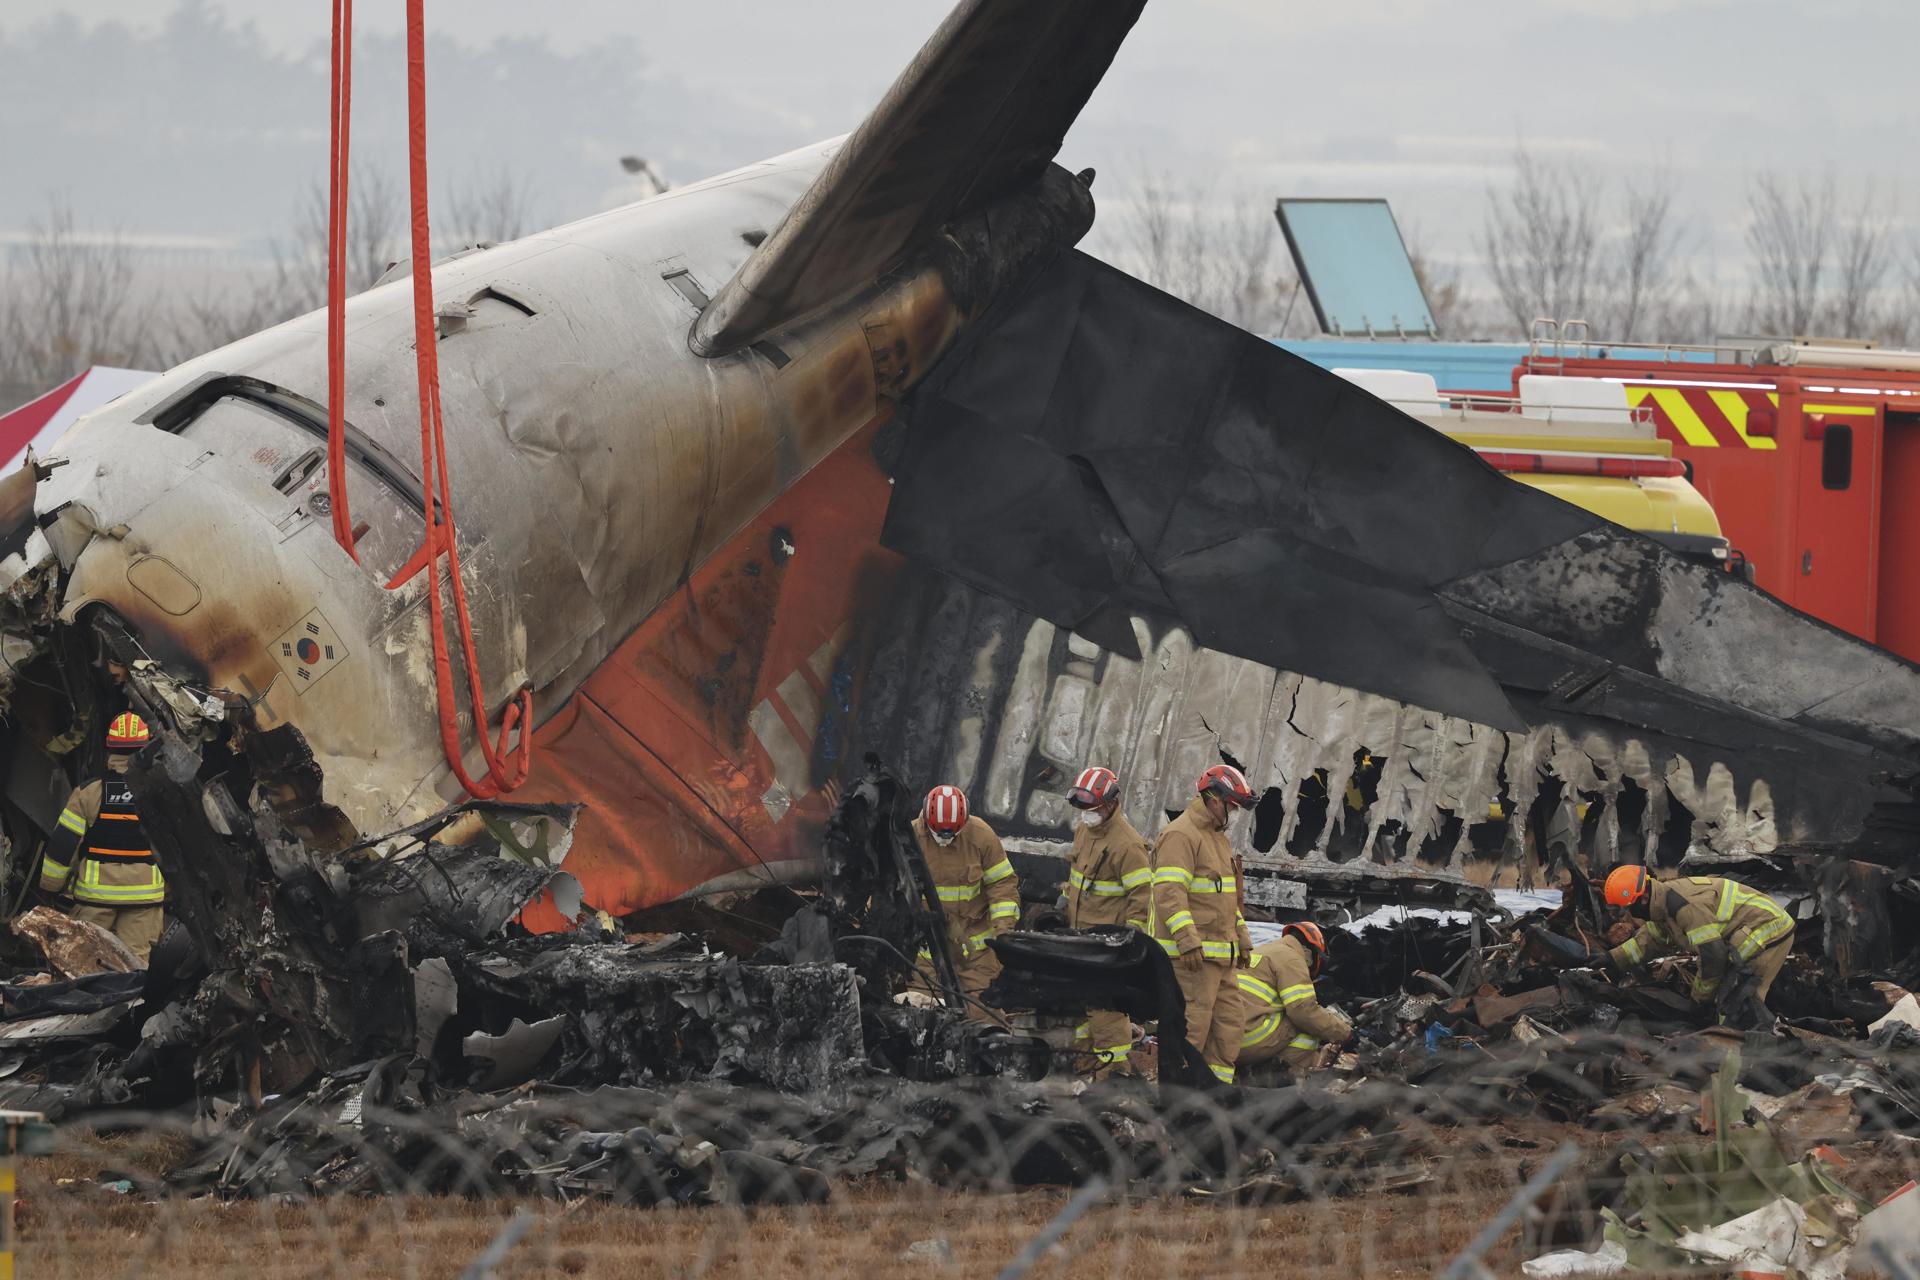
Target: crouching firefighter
x=979, y=894
x=99, y=861
x=1110, y=882
x=1196, y=914
x=1741, y=936
x=1284, y=1018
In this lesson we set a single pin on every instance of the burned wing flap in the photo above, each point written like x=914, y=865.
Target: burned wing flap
x=1099, y=448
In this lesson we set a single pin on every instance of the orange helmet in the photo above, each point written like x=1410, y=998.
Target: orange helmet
x=1312, y=939
x=128, y=732
x=1229, y=784
x=946, y=811
x=1626, y=885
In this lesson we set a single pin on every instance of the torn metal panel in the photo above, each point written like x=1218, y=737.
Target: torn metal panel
x=470, y=893
x=511, y=1057
x=64, y=1026
x=630, y=1019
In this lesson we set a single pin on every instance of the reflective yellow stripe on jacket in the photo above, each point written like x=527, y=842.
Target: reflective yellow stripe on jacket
x=1262, y=1031
x=1111, y=888
x=149, y=890
x=1258, y=988
x=1761, y=936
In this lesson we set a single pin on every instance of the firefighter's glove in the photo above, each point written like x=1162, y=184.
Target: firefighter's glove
x=1193, y=962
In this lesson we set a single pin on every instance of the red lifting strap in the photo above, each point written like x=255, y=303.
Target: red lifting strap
x=337, y=275
x=506, y=767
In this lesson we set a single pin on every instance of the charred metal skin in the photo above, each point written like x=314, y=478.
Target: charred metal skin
x=597, y=462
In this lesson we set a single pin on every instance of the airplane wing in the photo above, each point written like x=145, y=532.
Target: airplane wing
x=977, y=114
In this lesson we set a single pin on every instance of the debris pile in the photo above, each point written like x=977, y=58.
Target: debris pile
x=404, y=1033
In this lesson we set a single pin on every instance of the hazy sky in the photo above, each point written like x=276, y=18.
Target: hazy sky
x=204, y=122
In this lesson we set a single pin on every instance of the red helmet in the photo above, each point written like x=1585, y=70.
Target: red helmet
x=946, y=810
x=1229, y=784
x=1312, y=939
x=1626, y=885
x=1093, y=788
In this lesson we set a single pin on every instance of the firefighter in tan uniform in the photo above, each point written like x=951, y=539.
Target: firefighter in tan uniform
x=1109, y=883
x=1741, y=935
x=99, y=859
x=978, y=890
x=1284, y=1018
x=1196, y=914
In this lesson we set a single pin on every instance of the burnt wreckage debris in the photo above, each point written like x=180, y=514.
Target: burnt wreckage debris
x=381, y=1024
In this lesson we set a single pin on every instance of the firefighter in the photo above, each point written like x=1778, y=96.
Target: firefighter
x=99, y=860
x=1110, y=883
x=1283, y=1016
x=1741, y=936
x=1196, y=914
x=978, y=891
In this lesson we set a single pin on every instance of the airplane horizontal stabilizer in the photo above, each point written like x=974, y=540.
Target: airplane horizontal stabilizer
x=980, y=112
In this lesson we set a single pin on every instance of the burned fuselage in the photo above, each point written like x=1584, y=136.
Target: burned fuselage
x=596, y=461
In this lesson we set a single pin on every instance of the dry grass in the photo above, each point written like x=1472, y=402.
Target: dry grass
x=868, y=1234
x=73, y=1228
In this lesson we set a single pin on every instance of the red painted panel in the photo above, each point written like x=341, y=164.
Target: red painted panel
x=1837, y=535
x=19, y=426
x=1899, y=593
x=703, y=746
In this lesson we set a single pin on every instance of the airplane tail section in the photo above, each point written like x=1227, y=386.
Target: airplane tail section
x=979, y=113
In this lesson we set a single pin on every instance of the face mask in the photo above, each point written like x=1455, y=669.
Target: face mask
x=944, y=838
x=1086, y=817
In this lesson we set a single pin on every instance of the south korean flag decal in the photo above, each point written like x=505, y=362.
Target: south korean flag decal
x=307, y=650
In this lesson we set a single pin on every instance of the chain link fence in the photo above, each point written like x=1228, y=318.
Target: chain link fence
x=1495, y=1155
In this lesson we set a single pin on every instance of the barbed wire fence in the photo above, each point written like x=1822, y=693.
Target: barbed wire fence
x=1494, y=1158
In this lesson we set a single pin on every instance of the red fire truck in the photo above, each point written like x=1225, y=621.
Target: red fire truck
x=1809, y=451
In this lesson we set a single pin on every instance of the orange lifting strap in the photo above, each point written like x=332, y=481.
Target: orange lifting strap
x=506, y=766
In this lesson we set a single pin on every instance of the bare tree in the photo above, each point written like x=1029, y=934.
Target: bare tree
x=1643, y=262
x=495, y=208
x=1815, y=266
x=1863, y=263
x=70, y=302
x=1220, y=254
x=1447, y=300
x=376, y=238
x=1788, y=232
x=486, y=209
x=216, y=313
x=1542, y=241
